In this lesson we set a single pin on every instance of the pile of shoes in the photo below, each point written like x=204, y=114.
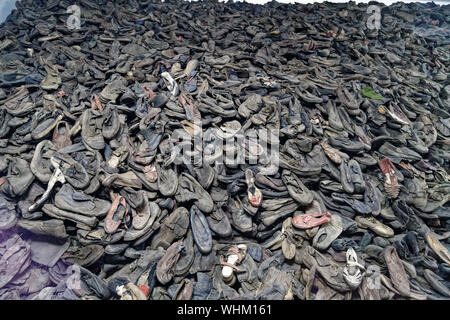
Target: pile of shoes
x=206, y=150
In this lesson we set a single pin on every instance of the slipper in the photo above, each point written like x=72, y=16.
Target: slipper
x=387, y=283
x=53, y=211
x=170, y=83
x=125, y=179
x=191, y=84
x=288, y=248
x=356, y=205
x=331, y=153
x=374, y=225
x=73, y=171
x=397, y=114
x=69, y=199
x=184, y=290
x=253, y=193
x=117, y=157
x=192, y=113
x=390, y=179
x=134, y=198
x=367, y=292
x=344, y=245
x=397, y=271
x=57, y=176
x=310, y=220
x=437, y=283
x=371, y=198
x=328, y=233
x=229, y=129
x=166, y=265
x=438, y=248
x=167, y=181
x=297, y=190
x=142, y=213
x=151, y=174
x=200, y=230
x=61, y=135
x=330, y=271
x=352, y=271
x=83, y=256
x=116, y=214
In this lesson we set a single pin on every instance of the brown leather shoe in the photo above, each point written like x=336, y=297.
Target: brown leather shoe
x=115, y=215
x=438, y=248
x=397, y=271
x=61, y=135
x=184, y=290
x=165, y=266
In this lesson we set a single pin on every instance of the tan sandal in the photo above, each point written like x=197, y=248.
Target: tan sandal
x=235, y=255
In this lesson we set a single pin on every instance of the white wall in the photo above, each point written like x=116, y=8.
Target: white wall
x=6, y=6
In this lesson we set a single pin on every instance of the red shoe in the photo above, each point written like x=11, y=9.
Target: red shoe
x=253, y=193
x=115, y=215
x=386, y=165
x=310, y=220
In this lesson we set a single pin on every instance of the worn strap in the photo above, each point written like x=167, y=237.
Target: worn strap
x=236, y=251
x=228, y=264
